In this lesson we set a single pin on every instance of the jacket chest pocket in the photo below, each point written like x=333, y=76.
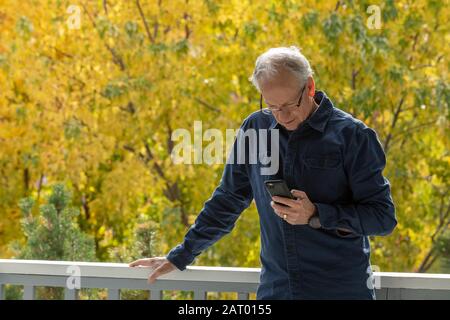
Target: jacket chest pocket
x=323, y=177
x=322, y=161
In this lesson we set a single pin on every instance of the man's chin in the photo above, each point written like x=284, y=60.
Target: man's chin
x=290, y=126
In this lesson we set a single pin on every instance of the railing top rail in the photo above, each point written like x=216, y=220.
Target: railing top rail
x=123, y=271
x=201, y=274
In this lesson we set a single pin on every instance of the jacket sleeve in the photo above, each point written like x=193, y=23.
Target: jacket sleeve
x=219, y=214
x=372, y=211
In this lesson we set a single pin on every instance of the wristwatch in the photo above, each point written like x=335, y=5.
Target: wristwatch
x=314, y=221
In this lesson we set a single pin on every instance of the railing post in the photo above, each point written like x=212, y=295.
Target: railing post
x=243, y=295
x=156, y=295
x=113, y=294
x=199, y=295
x=29, y=292
x=70, y=294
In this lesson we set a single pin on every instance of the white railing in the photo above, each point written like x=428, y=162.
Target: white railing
x=116, y=276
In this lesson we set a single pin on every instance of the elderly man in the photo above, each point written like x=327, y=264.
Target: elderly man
x=315, y=246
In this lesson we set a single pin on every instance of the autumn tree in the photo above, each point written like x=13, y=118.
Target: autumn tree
x=95, y=105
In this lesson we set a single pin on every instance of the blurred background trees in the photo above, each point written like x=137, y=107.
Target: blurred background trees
x=94, y=106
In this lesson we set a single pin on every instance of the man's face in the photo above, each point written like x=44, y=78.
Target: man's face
x=283, y=91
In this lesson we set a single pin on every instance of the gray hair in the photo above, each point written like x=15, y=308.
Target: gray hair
x=273, y=60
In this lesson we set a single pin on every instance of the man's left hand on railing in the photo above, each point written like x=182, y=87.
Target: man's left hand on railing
x=160, y=266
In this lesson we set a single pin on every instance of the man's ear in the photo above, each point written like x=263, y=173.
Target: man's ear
x=311, y=87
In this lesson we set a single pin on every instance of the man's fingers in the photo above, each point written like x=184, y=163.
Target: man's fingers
x=289, y=221
x=142, y=262
x=286, y=201
x=154, y=275
x=282, y=209
x=300, y=195
x=162, y=269
x=135, y=263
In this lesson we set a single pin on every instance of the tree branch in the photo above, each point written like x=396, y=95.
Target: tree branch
x=408, y=131
x=39, y=187
x=85, y=205
x=147, y=29
x=443, y=221
x=354, y=75
x=429, y=255
x=26, y=179
x=338, y=4
x=394, y=122
x=117, y=59
x=433, y=254
x=170, y=144
x=172, y=190
x=206, y=105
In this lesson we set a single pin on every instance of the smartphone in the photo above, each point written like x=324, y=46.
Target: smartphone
x=278, y=188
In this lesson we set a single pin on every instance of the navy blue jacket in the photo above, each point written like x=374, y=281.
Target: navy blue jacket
x=338, y=162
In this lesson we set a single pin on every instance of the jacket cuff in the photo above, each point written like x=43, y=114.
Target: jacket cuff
x=328, y=220
x=180, y=257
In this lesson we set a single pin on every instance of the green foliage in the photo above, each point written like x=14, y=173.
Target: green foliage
x=54, y=234
x=143, y=242
x=51, y=234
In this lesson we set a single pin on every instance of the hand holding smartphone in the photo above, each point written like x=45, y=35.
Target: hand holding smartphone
x=278, y=188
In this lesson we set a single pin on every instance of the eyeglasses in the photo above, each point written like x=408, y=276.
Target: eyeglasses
x=287, y=107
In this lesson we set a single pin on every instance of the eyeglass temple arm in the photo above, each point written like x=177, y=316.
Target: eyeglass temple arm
x=260, y=102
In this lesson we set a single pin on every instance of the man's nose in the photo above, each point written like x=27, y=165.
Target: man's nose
x=283, y=116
